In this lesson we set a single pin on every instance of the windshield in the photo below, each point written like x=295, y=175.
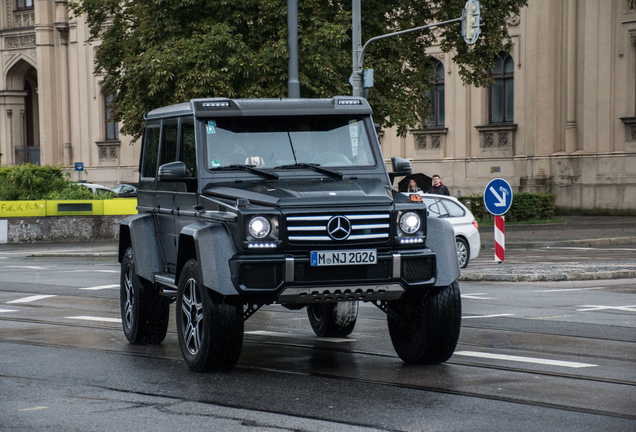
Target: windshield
x=270, y=142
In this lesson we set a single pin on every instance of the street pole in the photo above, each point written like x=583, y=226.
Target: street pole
x=356, y=38
x=293, y=85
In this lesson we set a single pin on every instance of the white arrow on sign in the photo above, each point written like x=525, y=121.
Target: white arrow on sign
x=502, y=199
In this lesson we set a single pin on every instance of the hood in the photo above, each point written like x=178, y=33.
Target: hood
x=306, y=192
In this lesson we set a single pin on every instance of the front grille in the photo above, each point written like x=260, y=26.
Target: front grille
x=418, y=269
x=304, y=272
x=364, y=228
x=263, y=275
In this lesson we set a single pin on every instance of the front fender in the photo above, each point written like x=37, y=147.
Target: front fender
x=139, y=232
x=211, y=244
x=440, y=239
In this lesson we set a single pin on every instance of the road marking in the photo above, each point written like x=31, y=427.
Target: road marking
x=551, y=317
x=594, y=308
x=524, y=359
x=7, y=310
x=27, y=267
x=474, y=296
x=91, y=318
x=30, y=299
x=33, y=409
x=101, y=287
x=487, y=316
x=277, y=334
x=89, y=271
x=570, y=289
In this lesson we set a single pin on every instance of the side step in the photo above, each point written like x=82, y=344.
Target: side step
x=165, y=281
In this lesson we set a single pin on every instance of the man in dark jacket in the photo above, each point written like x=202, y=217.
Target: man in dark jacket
x=437, y=187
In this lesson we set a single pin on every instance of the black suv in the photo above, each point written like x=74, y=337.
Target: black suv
x=249, y=202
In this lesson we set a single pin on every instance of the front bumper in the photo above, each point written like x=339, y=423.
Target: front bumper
x=292, y=277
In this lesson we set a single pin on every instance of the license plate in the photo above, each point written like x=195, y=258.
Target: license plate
x=343, y=257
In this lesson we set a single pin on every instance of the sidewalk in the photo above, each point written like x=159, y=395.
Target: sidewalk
x=576, y=231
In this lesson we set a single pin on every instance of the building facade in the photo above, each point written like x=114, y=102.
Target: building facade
x=52, y=109
x=560, y=118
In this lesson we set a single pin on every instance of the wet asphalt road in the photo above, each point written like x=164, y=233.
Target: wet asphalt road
x=532, y=356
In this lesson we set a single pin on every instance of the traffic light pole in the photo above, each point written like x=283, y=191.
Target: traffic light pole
x=358, y=52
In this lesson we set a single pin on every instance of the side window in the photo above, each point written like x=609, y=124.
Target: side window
x=189, y=147
x=151, y=150
x=169, y=144
x=435, y=208
x=454, y=209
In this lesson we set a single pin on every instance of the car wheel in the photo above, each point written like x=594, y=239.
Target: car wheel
x=209, y=326
x=425, y=326
x=463, y=252
x=333, y=319
x=144, y=312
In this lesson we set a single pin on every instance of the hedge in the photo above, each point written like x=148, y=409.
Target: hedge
x=525, y=206
x=30, y=182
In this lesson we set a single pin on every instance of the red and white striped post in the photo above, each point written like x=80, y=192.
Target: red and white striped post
x=500, y=242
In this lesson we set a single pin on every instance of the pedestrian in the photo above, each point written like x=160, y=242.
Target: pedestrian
x=437, y=187
x=413, y=186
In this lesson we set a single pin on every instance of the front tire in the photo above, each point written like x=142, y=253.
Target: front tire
x=209, y=326
x=463, y=252
x=144, y=312
x=333, y=319
x=426, y=329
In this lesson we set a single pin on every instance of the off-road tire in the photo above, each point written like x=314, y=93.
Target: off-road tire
x=463, y=252
x=209, y=326
x=333, y=319
x=426, y=326
x=144, y=312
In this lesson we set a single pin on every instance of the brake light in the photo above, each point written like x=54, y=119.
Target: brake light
x=476, y=224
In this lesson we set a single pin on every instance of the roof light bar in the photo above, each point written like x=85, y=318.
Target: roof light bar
x=216, y=104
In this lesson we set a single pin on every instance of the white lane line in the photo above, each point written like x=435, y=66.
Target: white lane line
x=101, y=287
x=7, y=310
x=30, y=299
x=570, y=289
x=475, y=296
x=92, y=318
x=89, y=271
x=277, y=334
x=595, y=308
x=524, y=359
x=27, y=267
x=487, y=316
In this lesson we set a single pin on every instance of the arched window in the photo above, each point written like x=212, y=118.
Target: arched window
x=436, y=96
x=502, y=91
x=112, y=128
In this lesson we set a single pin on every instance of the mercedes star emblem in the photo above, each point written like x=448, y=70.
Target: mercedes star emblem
x=339, y=227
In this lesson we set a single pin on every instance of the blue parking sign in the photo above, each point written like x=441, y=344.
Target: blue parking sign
x=498, y=197
x=79, y=166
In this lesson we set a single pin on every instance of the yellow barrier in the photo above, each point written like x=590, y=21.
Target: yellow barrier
x=117, y=206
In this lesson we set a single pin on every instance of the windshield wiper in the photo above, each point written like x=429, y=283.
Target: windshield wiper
x=251, y=169
x=313, y=166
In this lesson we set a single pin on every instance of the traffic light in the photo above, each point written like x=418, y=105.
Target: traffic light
x=470, y=21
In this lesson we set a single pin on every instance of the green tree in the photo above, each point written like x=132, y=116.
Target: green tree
x=159, y=52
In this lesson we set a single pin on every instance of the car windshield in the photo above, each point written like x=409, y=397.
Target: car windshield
x=271, y=142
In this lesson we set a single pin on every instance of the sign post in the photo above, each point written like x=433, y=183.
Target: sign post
x=79, y=167
x=498, y=199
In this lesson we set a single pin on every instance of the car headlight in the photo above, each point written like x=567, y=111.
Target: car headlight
x=410, y=222
x=259, y=227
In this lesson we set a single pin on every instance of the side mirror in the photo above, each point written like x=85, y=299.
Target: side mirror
x=173, y=171
x=401, y=167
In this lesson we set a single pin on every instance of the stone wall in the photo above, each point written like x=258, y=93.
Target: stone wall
x=60, y=229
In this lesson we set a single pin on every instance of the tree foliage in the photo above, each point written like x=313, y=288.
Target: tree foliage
x=159, y=52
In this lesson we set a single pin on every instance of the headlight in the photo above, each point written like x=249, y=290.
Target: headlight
x=259, y=227
x=409, y=222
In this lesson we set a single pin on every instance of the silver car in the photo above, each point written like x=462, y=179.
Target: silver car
x=466, y=228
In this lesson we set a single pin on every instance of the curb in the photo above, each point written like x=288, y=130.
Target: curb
x=552, y=277
x=71, y=254
x=616, y=241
